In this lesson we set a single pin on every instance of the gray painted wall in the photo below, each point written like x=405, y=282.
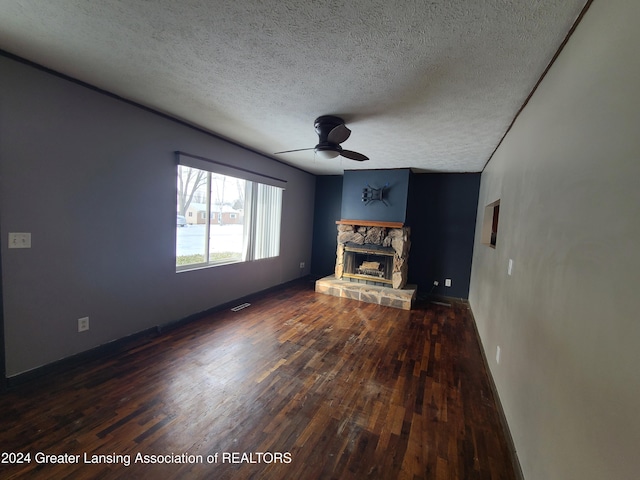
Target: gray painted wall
x=567, y=318
x=93, y=179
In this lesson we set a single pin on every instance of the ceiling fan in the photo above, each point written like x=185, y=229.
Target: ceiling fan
x=332, y=132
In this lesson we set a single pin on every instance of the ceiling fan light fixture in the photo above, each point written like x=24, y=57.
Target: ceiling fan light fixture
x=327, y=154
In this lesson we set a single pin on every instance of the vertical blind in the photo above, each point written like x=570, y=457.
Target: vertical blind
x=267, y=205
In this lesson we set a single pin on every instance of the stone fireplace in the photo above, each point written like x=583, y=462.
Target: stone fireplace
x=376, y=253
x=371, y=264
x=372, y=251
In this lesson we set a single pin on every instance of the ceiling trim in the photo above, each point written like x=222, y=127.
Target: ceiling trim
x=544, y=74
x=133, y=103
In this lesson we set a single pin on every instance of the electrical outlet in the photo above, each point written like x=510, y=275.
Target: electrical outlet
x=301, y=264
x=498, y=354
x=19, y=240
x=83, y=324
x=447, y=282
x=436, y=283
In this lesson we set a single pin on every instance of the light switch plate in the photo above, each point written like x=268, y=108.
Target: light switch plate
x=19, y=240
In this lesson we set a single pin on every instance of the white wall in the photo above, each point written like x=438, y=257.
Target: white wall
x=567, y=320
x=94, y=181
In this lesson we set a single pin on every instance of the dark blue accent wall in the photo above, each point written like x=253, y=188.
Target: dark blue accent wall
x=441, y=211
x=442, y=216
x=395, y=209
x=328, y=204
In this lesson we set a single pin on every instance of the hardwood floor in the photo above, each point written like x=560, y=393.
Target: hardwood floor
x=298, y=385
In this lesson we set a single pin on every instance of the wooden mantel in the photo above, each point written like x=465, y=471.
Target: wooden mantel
x=370, y=223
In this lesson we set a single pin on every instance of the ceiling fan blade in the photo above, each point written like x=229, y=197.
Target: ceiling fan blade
x=338, y=134
x=353, y=155
x=298, y=150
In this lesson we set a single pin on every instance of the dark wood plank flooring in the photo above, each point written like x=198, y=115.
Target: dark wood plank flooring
x=304, y=385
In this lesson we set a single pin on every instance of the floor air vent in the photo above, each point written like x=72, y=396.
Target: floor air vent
x=240, y=307
x=441, y=303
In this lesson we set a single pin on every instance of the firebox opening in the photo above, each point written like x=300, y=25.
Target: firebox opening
x=368, y=264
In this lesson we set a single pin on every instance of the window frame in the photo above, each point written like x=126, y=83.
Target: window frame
x=252, y=247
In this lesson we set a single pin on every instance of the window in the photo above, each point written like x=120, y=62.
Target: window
x=490, y=224
x=244, y=215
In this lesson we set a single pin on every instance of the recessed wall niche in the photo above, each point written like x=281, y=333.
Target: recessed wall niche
x=490, y=224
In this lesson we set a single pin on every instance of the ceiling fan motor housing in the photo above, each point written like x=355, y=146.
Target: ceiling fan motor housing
x=325, y=124
x=331, y=132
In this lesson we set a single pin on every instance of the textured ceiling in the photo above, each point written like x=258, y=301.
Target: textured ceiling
x=431, y=85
